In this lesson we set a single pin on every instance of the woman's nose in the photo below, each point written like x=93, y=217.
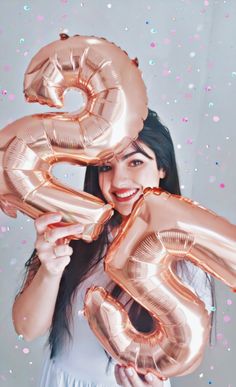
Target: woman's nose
x=119, y=176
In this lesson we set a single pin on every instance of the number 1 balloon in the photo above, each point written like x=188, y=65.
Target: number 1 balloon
x=115, y=105
x=161, y=230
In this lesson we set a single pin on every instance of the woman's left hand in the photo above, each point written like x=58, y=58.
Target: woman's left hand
x=128, y=377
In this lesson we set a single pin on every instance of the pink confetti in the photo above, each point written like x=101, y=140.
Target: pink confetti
x=227, y=318
x=222, y=185
x=7, y=67
x=216, y=118
x=219, y=336
x=166, y=72
x=189, y=141
x=4, y=92
x=23, y=242
x=25, y=350
x=229, y=301
x=185, y=119
x=40, y=18
x=11, y=97
x=167, y=41
x=153, y=44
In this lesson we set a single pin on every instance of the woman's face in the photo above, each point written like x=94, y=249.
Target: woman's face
x=123, y=179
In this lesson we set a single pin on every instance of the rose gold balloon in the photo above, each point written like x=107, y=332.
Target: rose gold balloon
x=113, y=113
x=161, y=230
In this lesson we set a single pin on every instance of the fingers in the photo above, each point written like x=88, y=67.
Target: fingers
x=62, y=232
x=128, y=377
x=41, y=223
x=117, y=375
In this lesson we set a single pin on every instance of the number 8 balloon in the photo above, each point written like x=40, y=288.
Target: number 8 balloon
x=113, y=113
x=162, y=229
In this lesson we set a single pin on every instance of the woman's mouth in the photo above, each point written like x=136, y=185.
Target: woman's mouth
x=124, y=195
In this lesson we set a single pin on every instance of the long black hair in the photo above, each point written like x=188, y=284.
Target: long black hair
x=85, y=256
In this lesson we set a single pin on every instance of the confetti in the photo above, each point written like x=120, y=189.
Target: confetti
x=227, y=318
x=25, y=350
x=222, y=185
x=229, y=301
x=153, y=31
x=216, y=118
x=153, y=45
x=184, y=119
x=151, y=62
x=26, y=7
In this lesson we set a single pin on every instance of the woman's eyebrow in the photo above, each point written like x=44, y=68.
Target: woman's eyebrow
x=134, y=152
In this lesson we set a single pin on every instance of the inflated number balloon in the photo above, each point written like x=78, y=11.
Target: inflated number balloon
x=161, y=230
x=113, y=113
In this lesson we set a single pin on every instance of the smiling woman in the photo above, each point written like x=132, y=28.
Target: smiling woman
x=123, y=180
x=148, y=161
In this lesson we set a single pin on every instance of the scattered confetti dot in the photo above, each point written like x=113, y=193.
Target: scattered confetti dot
x=179, y=146
x=7, y=67
x=20, y=337
x=11, y=97
x=227, y=318
x=22, y=40
x=25, y=350
x=233, y=74
x=153, y=30
x=4, y=92
x=153, y=44
x=192, y=54
x=191, y=86
x=212, y=179
x=109, y=5
x=151, y=62
x=211, y=104
x=211, y=367
x=229, y=302
x=26, y=7
x=216, y=118
x=201, y=375
x=208, y=88
x=185, y=119
x=213, y=308
x=189, y=141
x=222, y=185
x=40, y=18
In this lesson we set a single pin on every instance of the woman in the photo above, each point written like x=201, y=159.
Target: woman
x=58, y=274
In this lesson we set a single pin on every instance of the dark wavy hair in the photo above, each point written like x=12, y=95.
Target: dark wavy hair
x=85, y=256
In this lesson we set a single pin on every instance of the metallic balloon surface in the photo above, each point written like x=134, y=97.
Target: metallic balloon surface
x=161, y=230
x=115, y=105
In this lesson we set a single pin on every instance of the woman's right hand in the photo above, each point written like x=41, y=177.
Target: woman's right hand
x=53, y=253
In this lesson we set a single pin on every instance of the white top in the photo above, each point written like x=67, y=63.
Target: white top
x=83, y=363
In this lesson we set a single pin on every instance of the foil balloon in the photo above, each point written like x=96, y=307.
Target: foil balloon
x=115, y=105
x=161, y=230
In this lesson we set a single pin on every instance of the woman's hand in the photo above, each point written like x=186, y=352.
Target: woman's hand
x=52, y=250
x=128, y=377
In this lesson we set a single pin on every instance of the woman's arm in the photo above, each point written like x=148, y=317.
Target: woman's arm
x=34, y=306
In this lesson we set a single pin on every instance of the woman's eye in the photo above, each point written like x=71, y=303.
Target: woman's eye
x=104, y=168
x=135, y=163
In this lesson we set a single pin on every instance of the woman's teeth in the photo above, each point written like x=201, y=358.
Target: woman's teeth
x=126, y=194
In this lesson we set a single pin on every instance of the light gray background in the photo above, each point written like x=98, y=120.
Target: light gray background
x=190, y=75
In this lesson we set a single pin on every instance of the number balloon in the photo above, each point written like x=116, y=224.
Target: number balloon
x=161, y=230
x=113, y=113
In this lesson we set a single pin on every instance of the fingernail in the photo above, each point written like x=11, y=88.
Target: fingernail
x=57, y=217
x=149, y=377
x=129, y=371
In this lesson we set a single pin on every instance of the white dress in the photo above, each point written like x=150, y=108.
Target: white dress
x=83, y=363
